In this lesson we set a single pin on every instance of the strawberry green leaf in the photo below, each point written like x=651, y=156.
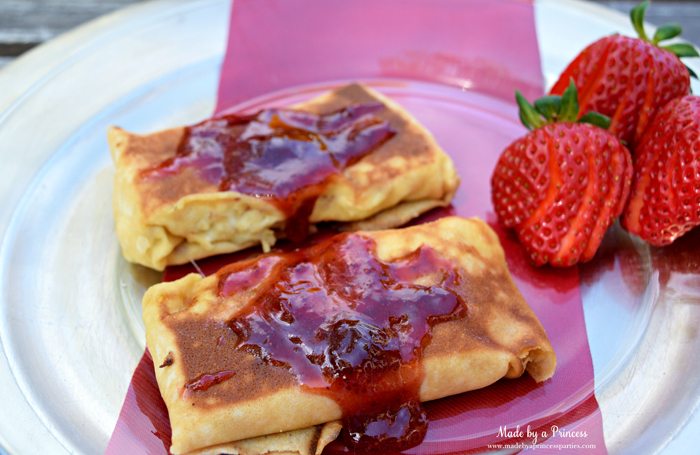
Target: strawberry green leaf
x=528, y=115
x=596, y=119
x=691, y=72
x=549, y=106
x=682, y=50
x=637, y=16
x=666, y=32
x=569, y=103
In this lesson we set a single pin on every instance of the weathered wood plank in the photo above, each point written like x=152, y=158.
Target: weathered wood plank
x=25, y=23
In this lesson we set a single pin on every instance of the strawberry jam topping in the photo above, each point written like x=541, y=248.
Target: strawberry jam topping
x=284, y=156
x=349, y=326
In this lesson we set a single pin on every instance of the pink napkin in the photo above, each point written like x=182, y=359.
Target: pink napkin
x=484, y=50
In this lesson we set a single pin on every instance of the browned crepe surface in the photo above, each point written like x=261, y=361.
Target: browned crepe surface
x=500, y=337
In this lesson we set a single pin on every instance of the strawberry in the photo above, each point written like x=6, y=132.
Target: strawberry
x=629, y=79
x=664, y=202
x=561, y=185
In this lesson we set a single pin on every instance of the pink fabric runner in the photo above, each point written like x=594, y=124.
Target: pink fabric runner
x=484, y=48
x=480, y=45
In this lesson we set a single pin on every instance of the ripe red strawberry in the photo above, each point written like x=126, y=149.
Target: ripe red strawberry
x=664, y=202
x=629, y=79
x=563, y=184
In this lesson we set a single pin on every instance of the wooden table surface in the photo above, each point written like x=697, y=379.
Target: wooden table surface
x=27, y=23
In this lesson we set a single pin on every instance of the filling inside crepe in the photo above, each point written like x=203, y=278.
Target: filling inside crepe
x=280, y=155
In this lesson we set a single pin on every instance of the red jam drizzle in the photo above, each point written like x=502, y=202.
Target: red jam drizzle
x=205, y=381
x=282, y=155
x=351, y=327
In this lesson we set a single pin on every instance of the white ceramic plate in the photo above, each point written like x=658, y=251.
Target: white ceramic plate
x=69, y=321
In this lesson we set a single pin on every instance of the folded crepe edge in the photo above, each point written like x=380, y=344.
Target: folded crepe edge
x=305, y=441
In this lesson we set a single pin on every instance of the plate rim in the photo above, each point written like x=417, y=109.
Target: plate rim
x=22, y=79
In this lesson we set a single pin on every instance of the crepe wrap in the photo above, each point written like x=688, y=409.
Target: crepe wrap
x=499, y=338
x=173, y=221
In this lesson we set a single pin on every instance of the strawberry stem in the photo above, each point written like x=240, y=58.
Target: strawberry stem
x=553, y=109
x=569, y=103
x=663, y=33
x=528, y=115
x=596, y=119
x=682, y=50
x=549, y=106
x=666, y=32
x=637, y=16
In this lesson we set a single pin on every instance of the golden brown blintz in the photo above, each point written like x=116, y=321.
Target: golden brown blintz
x=182, y=216
x=189, y=329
